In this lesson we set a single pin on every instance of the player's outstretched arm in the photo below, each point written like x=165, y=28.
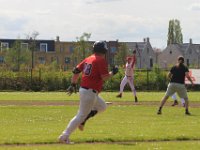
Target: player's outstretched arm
x=113, y=71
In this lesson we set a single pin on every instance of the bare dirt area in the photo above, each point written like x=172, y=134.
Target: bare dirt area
x=66, y=103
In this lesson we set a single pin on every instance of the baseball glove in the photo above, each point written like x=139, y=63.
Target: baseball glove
x=114, y=70
x=71, y=89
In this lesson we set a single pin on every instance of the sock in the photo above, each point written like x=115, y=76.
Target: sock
x=91, y=114
x=160, y=108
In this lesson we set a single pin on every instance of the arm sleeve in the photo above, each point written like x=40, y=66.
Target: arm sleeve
x=133, y=61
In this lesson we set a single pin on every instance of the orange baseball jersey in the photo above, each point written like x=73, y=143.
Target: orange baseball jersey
x=93, y=68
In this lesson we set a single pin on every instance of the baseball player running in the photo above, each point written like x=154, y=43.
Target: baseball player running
x=129, y=76
x=94, y=71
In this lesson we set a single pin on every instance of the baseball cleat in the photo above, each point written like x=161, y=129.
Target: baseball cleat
x=119, y=95
x=136, y=100
x=187, y=113
x=64, y=139
x=175, y=103
x=81, y=127
x=159, y=112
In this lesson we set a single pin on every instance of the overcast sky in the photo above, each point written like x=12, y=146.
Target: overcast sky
x=125, y=20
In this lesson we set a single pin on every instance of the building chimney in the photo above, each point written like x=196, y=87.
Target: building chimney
x=147, y=39
x=57, y=38
x=190, y=41
x=144, y=40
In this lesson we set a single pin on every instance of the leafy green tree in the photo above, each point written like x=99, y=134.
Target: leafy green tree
x=120, y=58
x=54, y=66
x=32, y=45
x=17, y=56
x=81, y=48
x=170, y=33
x=174, y=32
x=178, y=32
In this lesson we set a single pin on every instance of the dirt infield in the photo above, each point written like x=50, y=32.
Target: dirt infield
x=71, y=103
x=132, y=142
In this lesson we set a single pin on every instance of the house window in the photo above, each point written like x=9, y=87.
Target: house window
x=43, y=47
x=4, y=46
x=113, y=49
x=67, y=60
x=71, y=49
x=1, y=59
x=41, y=60
x=24, y=46
x=170, y=52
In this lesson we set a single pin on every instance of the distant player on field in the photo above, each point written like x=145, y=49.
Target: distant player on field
x=174, y=97
x=94, y=71
x=129, y=76
x=177, y=76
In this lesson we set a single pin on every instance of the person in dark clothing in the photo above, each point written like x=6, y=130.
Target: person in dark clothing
x=177, y=76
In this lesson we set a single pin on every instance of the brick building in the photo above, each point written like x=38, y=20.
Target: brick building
x=48, y=51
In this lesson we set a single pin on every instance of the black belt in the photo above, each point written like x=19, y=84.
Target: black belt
x=88, y=89
x=128, y=76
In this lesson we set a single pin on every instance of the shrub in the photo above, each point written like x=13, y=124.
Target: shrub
x=50, y=80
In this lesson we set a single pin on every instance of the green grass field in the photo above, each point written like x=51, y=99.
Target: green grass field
x=36, y=127
x=108, y=96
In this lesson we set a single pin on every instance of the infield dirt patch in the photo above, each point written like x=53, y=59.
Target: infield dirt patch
x=68, y=103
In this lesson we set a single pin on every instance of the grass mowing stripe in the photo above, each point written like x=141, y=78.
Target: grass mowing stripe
x=108, y=96
x=43, y=124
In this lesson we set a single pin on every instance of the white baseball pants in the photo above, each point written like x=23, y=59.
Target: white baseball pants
x=88, y=101
x=175, y=98
x=128, y=80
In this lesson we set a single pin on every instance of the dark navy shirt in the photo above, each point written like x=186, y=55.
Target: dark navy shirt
x=178, y=74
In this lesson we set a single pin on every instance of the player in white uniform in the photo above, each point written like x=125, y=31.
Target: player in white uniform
x=176, y=101
x=129, y=76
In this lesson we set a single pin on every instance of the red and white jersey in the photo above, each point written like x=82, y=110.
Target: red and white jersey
x=93, y=68
x=130, y=66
